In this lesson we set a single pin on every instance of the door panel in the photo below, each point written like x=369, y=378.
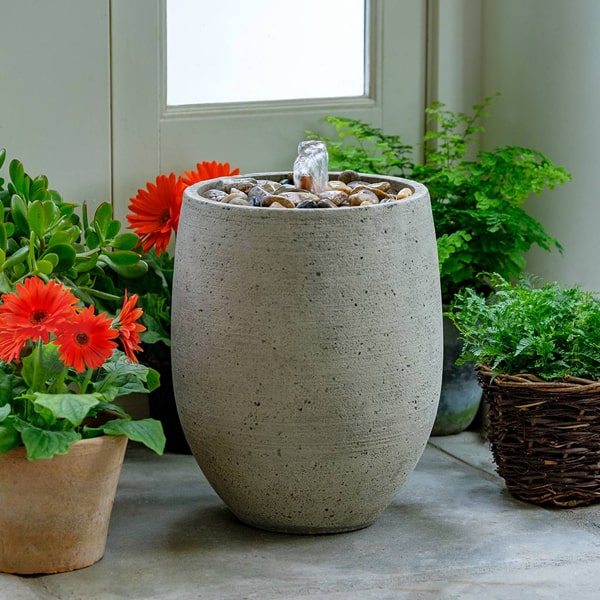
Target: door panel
x=151, y=138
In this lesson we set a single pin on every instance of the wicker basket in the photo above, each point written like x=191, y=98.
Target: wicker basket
x=545, y=437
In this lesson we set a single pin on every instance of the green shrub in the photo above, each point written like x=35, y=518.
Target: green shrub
x=480, y=224
x=549, y=331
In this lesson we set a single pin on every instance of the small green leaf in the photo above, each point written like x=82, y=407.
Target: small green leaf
x=122, y=258
x=3, y=237
x=19, y=271
x=72, y=407
x=66, y=256
x=125, y=377
x=38, y=188
x=130, y=271
x=8, y=388
x=103, y=218
x=113, y=229
x=52, y=258
x=147, y=431
x=9, y=438
x=36, y=217
x=44, y=267
x=153, y=380
x=5, y=410
x=18, y=210
x=43, y=363
x=55, y=197
x=92, y=240
x=60, y=237
x=125, y=241
x=51, y=213
x=17, y=174
x=2, y=156
x=82, y=266
x=17, y=257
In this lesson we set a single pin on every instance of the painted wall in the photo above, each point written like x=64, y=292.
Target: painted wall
x=55, y=93
x=455, y=57
x=543, y=56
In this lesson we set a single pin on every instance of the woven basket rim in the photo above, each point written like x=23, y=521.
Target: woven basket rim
x=527, y=380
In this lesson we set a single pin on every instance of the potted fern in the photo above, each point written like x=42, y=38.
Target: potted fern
x=537, y=351
x=477, y=205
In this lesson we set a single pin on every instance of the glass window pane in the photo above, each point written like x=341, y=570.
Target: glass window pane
x=242, y=51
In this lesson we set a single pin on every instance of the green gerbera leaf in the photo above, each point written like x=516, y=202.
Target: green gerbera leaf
x=72, y=407
x=9, y=438
x=41, y=443
x=147, y=431
x=4, y=412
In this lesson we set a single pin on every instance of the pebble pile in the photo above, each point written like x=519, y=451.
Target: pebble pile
x=347, y=190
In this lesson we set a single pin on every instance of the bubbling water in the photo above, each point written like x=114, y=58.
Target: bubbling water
x=307, y=187
x=311, y=166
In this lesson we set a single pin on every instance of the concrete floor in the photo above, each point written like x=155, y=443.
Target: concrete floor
x=452, y=532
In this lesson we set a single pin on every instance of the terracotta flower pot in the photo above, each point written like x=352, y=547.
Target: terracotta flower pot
x=307, y=354
x=54, y=513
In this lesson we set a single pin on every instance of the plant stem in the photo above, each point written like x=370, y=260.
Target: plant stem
x=86, y=381
x=99, y=294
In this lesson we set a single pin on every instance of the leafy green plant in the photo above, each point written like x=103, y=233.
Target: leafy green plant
x=61, y=371
x=43, y=236
x=480, y=224
x=49, y=400
x=154, y=216
x=545, y=330
x=365, y=149
x=155, y=291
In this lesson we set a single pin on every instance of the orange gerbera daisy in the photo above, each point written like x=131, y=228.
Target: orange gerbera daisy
x=129, y=329
x=155, y=212
x=86, y=340
x=208, y=170
x=32, y=312
x=10, y=346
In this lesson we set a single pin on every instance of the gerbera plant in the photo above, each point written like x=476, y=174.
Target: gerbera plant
x=155, y=210
x=154, y=216
x=62, y=247
x=63, y=366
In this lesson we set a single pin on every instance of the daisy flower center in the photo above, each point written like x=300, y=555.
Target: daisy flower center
x=82, y=338
x=164, y=216
x=38, y=316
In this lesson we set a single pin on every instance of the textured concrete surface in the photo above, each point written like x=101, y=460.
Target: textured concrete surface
x=452, y=532
x=319, y=335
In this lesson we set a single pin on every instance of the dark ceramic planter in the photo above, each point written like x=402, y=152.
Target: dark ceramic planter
x=460, y=397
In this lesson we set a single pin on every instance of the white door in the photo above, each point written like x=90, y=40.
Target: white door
x=150, y=137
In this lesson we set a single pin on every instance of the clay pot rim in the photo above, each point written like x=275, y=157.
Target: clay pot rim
x=419, y=193
x=82, y=445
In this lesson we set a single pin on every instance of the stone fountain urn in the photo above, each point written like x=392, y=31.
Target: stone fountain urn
x=307, y=353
